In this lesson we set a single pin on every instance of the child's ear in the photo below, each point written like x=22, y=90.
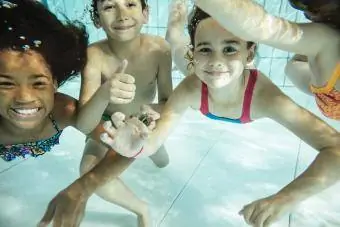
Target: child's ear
x=146, y=15
x=55, y=86
x=251, y=53
x=189, y=57
x=97, y=23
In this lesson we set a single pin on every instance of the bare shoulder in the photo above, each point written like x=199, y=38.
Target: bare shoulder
x=264, y=85
x=189, y=88
x=97, y=49
x=156, y=43
x=192, y=83
x=265, y=97
x=95, y=57
x=65, y=110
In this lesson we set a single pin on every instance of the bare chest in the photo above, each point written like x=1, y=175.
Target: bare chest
x=144, y=70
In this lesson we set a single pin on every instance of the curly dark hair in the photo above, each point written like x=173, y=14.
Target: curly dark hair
x=330, y=16
x=28, y=24
x=94, y=10
x=196, y=16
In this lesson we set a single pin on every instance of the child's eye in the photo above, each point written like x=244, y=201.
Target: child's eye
x=6, y=85
x=39, y=84
x=109, y=7
x=229, y=50
x=204, y=50
x=131, y=4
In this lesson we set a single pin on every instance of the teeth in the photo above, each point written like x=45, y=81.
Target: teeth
x=26, y=111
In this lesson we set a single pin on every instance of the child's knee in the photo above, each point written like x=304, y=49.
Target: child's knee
x=160, y=158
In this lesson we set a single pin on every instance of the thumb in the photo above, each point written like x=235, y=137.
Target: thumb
x=48, y=216
x=122, y=67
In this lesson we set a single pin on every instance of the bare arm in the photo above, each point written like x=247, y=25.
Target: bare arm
x=164, y=80
x=323, y=172
x=94, y=98
x=182, y=98
x=129, y=136
x=300, y=73
x=249, y=21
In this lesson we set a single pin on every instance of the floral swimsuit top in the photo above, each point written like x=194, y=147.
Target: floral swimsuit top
x=34, y=149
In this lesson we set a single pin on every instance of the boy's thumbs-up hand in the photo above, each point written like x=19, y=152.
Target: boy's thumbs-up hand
x=122, y=86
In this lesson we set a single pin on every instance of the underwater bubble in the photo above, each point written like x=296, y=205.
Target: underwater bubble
x=22, y=37
x=37, y=43
x=26, y=47
x=8, y=5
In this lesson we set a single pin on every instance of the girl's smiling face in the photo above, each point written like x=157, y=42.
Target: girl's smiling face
x=26, y=89
x=219, y=56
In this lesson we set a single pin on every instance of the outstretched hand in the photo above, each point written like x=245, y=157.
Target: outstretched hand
x=178, y=13
x=264, y=212
x=67, y=208
x=127, y=136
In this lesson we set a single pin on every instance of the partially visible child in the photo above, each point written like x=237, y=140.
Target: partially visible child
x=149, y=61
x=38, y=54
x=320, y=77
x=178, y=41
x=327, y=12
x=223, y=88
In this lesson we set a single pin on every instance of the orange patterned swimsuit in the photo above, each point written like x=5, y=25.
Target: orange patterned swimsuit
x=328, y=98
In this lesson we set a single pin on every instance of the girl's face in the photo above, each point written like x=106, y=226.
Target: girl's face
x=219, y=56
x=26, y=89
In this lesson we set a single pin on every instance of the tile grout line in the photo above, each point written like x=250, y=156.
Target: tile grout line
x=10, y=167
x=295, y=172
x=186, y=184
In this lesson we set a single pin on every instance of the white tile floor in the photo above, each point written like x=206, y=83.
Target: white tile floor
x=215, y=169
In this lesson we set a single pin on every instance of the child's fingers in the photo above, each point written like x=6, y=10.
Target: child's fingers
x=125, y=82
x=109, y=128
x=122, y=67
x=118, y=119
x=105, y=138
x=145, y=109
x=126, y=78
x=152, y=125
x=116, y=100
x=140, y=126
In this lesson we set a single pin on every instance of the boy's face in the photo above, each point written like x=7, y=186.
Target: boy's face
x=26, y=89
x=219, y=56
x=122, y=20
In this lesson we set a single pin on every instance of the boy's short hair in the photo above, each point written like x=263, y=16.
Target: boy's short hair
x=94, y=9
x=29, y=25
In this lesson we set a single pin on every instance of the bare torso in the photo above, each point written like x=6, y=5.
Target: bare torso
x=143, y=66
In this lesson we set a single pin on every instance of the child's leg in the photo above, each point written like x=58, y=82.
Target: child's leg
x=160, y=158
x=118, y=193
x=299, y=72
x=115, y=191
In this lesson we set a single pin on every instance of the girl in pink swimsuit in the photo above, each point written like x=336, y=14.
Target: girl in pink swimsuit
x=223, y=88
